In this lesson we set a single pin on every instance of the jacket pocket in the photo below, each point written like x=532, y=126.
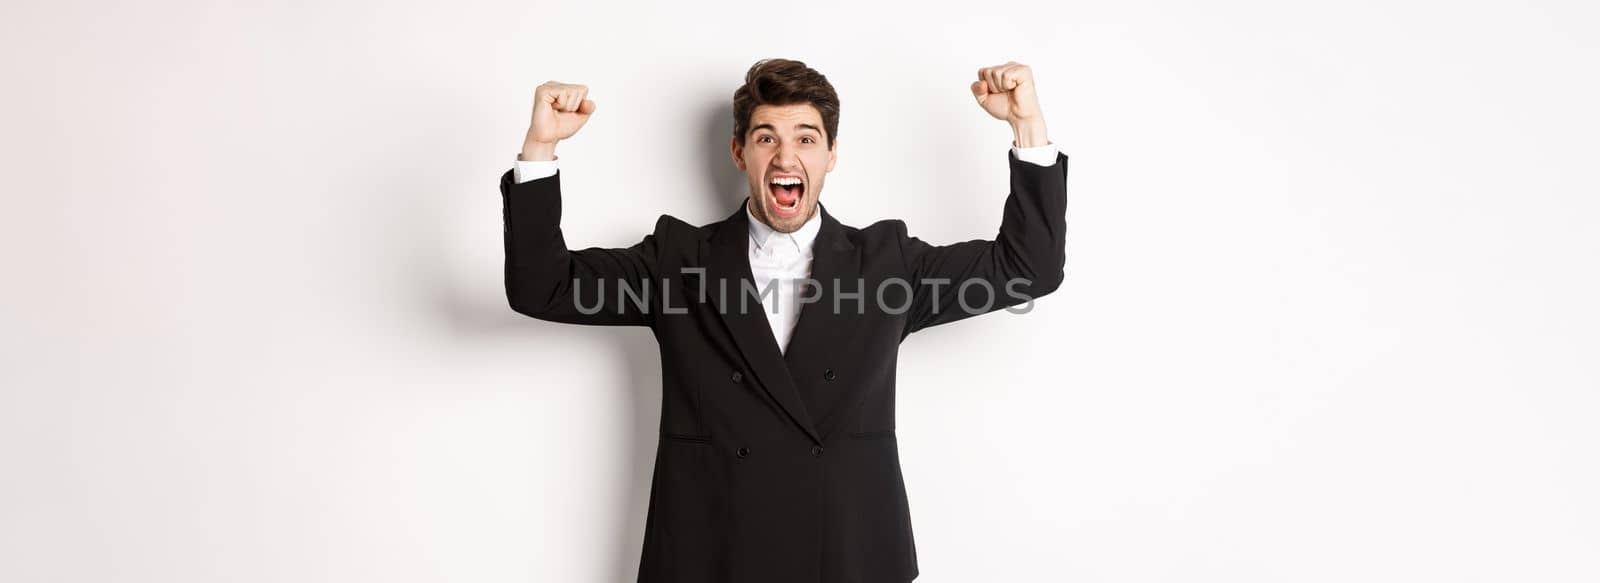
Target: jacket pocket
x=885, y=434
x=686, y=438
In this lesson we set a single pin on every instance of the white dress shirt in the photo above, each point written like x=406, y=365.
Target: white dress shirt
x=785, y=257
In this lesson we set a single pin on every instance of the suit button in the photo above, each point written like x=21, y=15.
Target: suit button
x=827, y=374
x=737, y=376
x=742, y=452
x=816, y=450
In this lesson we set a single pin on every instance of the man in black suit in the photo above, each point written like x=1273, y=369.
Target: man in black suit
x=779, y=328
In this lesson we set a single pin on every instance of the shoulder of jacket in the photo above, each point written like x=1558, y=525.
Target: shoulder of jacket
x=669, y=225
x=678, y=236
x=887, y=230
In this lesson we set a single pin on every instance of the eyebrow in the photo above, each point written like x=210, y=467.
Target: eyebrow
x=804, y=126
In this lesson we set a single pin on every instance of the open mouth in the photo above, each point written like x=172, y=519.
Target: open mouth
x=786, y=192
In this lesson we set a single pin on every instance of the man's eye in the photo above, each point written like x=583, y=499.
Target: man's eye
x=808, y=140
x=764, y=139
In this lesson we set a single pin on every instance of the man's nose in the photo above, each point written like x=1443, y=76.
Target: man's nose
x=787, y=159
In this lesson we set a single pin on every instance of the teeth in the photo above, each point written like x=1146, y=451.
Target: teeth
x=787, y=181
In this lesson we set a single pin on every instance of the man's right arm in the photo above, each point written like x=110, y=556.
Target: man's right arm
x=544, y=279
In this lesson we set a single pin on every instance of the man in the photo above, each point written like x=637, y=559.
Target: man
x=779, y=328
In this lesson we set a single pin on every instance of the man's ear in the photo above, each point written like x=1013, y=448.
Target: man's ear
x=833, y=154
x=738, y=153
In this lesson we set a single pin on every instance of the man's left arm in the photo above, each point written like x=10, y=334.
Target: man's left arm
x=1027, y=258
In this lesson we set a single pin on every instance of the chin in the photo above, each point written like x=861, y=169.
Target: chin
x=791, y=224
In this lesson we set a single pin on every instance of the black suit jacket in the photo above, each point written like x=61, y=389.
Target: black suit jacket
x=778, y=467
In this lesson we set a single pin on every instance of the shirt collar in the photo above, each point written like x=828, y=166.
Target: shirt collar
x=801, y=239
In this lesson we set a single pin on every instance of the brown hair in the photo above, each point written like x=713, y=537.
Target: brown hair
x=784, y=82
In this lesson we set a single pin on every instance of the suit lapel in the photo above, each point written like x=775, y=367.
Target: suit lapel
x=823, y=332
x=833, y=259
x=726, y=259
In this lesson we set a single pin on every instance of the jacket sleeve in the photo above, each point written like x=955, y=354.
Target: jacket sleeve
x=1026, y=260
x=545, y=280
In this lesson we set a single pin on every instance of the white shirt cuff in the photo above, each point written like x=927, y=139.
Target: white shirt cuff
x=1042, y=155
x=526, y=170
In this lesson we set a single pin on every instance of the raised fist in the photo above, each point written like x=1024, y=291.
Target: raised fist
x=559, y=109
x=1007, y=92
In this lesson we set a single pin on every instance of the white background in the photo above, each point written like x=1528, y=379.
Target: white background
x=1329, y=311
